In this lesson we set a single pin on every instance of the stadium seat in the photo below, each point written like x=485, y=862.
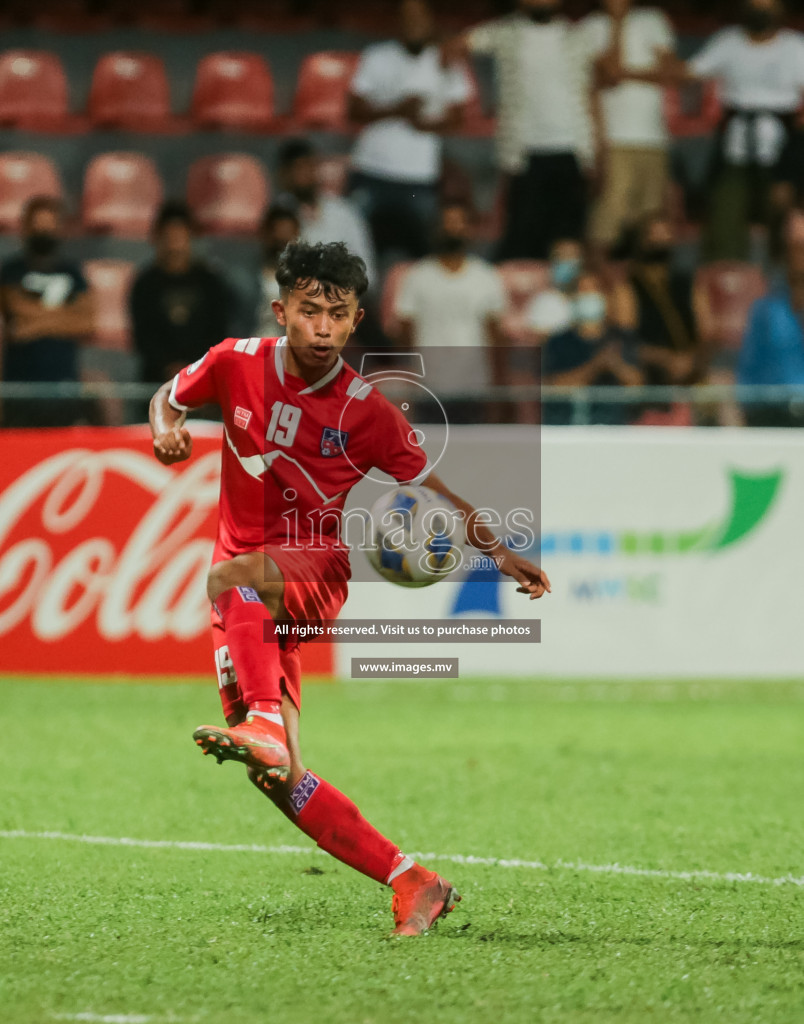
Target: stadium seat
x=692, y=108
x=228, y=193
x=333, y=173
x=522, y=280
x=390, y=289
x=233, y=90
x=122, y=193
x=728, y=289
x=322, y=88
x=23, y=176
x=33, y=91
x=110, y=281
x=130, y=91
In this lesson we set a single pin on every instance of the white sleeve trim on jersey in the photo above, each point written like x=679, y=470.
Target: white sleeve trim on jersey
x=172, y=397
x=279, y=362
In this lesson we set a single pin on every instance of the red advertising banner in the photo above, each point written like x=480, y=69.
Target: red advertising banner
x=104, y=554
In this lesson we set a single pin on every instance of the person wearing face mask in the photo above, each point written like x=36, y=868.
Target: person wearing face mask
x=545, y=134
x=404, y=100
x=665, y=300
x=450, y=307
x=323, y=218
x=591, y=352
x=48, y=310
x=550, y=311
x=759, y=68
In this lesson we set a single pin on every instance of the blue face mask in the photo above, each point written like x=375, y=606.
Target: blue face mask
x=589, y=307
x=564, y=273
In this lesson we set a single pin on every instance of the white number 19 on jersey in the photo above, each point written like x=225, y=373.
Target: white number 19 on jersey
x=284, y=424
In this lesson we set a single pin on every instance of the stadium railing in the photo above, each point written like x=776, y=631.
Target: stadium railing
x=130, y=399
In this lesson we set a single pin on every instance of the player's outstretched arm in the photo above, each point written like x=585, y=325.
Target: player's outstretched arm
x=531, y=579
x=172, y=441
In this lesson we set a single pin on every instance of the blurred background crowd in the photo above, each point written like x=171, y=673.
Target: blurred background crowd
x=586, y=194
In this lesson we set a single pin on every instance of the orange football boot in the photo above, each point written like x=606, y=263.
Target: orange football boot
x=256, y=742
x=421, y=897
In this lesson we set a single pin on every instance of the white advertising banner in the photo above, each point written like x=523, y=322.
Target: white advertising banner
x=672, y=552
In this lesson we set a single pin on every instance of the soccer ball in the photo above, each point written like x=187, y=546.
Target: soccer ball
x=415, y=536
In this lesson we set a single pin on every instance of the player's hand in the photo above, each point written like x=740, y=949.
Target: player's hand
x=531, y=579
x=173, y=445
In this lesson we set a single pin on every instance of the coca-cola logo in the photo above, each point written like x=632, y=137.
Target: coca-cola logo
x=109, y=538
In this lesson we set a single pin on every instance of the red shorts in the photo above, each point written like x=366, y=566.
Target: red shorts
x=315, y=590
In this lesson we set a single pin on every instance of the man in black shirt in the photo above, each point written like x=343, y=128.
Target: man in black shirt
x=47, y=309
x=179, y=305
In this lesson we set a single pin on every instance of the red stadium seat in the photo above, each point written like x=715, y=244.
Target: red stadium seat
x=728, y=289
x=333, y=174
x=122, y=193
x=23, y=176
x=33, y=91
x=692, y=108
x=322, y=89
x=233, y=90
x=522, y=279
x=228, y=193
x=130, y=91
x=110, y=281
x=390, y=290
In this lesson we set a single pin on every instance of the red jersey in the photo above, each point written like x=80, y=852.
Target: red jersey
x=292, y=451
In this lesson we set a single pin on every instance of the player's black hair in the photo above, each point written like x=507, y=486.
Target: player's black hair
x=173, y=210
x=337, y=270
x=293, y=150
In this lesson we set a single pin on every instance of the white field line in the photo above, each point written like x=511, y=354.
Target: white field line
x=117, y=1018
x=453, y=858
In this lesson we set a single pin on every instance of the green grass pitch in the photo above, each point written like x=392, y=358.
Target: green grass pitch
x=671, y=777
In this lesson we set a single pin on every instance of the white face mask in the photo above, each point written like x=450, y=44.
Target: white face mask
x=589, y=307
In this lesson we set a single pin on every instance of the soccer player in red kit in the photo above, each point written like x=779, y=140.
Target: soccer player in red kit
x=301, y=428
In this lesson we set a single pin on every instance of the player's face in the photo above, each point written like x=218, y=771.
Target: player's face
x=318, y=325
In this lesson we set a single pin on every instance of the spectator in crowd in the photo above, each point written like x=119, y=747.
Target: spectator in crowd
x=551, y=310
x=664, y=301
x=48, y=310
x=280, y=225
x=759, y=67
x=591, y=352
x=323, y=218
x=180, y=306
x=772, y=351
x=545, y=137
x=449, y=306
x=404, y=99
x=629, y=48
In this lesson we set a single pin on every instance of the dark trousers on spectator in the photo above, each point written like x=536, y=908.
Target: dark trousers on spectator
x=402, y=215
x=547, y=201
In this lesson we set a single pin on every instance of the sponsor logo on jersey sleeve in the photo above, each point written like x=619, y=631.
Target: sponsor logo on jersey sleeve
x=333, y=442
x=242, y=417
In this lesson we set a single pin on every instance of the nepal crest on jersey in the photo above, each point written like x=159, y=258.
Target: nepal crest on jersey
x=333, y=442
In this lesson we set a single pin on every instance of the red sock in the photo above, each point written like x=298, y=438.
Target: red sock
x=253, y=649
x=334, y=822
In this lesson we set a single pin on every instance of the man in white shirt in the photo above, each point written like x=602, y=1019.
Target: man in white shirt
x=632, y=125
x=450, y=307
x=323, y=218
x=404, y=99
x=759, y=67
x=544, y=134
